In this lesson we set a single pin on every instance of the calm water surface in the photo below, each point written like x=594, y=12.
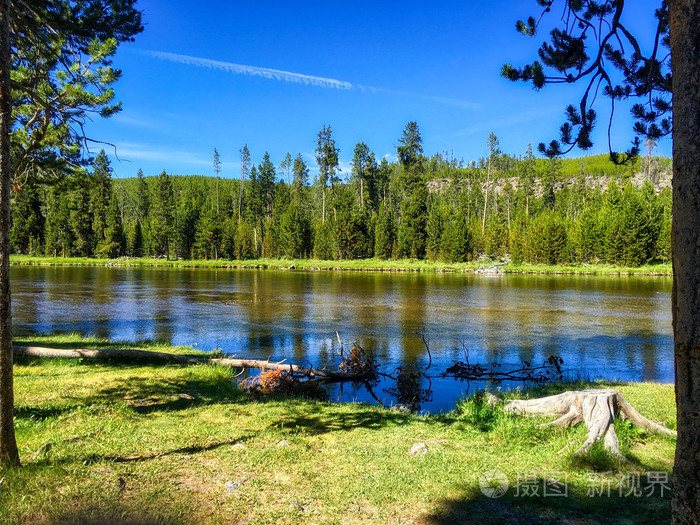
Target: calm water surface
x=610, y=327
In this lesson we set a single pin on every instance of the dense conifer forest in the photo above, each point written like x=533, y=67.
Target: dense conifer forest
x=530, y=210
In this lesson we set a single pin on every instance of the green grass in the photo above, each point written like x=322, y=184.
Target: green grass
x=160, y=441
x=411, y=265
x=658, y=269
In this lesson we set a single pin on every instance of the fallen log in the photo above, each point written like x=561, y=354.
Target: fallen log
x=595, y=407
x=130, y=353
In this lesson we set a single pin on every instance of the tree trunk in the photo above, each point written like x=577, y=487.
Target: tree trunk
x=684, y=18
x=8, y=443
x=527, y=205
x=128, y=353
x=596, y=407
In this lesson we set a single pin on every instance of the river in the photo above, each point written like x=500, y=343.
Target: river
x=602, y=327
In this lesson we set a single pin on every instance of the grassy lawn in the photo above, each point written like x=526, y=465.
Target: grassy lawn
x=158, y=444
x=411, y=265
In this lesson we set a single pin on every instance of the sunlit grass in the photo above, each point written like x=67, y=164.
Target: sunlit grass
x=659, y=269
x=157, y=443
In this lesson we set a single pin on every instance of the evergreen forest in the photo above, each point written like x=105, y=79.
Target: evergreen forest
x=523, y=208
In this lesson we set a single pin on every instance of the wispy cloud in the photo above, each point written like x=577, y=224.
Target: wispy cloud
x=239, y=69
x=133, y=121
x=298, y=78
x=129, y=152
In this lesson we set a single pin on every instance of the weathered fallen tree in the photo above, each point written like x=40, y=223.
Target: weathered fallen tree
x=597, y=408
x=130, y=353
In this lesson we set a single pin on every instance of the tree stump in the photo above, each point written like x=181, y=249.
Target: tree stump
x=595, y=407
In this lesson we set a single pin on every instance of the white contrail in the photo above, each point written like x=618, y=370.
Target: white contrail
x=273, y=74
x=298, y=78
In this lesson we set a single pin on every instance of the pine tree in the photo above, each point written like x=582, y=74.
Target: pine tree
x=527, y=179
x=255, y=209
x=58, y=235
x=413, y=219
x=435, y=228
x=136, y=242
x=494, y=152
x=162, y=223
x=549, y=176
x=245, y=248
x=217, y=170
x=381, y=183
x=245, y=167
x=410, y=149
x=457, y=243
x=295, y=232
x=385, y=235
x=208, y=236
x=228, y=241
x=354, y=228
x=100, y=197
x=327, y=160
x=363, y=167
x=143, y=202
x=114, y=244
x=301, y=180
x=496, y=234
x=286, y=164
x=27, y=234
x=186, y=219
x=142, y=205
x=266, y=182
x=81, y=219
x=324, y=247
x=589, y=236
x=612, y=224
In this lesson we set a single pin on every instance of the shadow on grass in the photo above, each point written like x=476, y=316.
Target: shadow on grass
x=146, y=395
x=191, y=449
x=97, y=516
x=142, y=392
x=321, y=417
x=586, y=505
x=40, y=413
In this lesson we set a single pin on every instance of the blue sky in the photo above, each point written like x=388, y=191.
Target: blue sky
x=215, y=74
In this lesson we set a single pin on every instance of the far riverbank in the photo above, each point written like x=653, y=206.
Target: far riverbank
x=399, y=265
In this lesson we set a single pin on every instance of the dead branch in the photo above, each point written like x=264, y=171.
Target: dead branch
x=548, y=371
